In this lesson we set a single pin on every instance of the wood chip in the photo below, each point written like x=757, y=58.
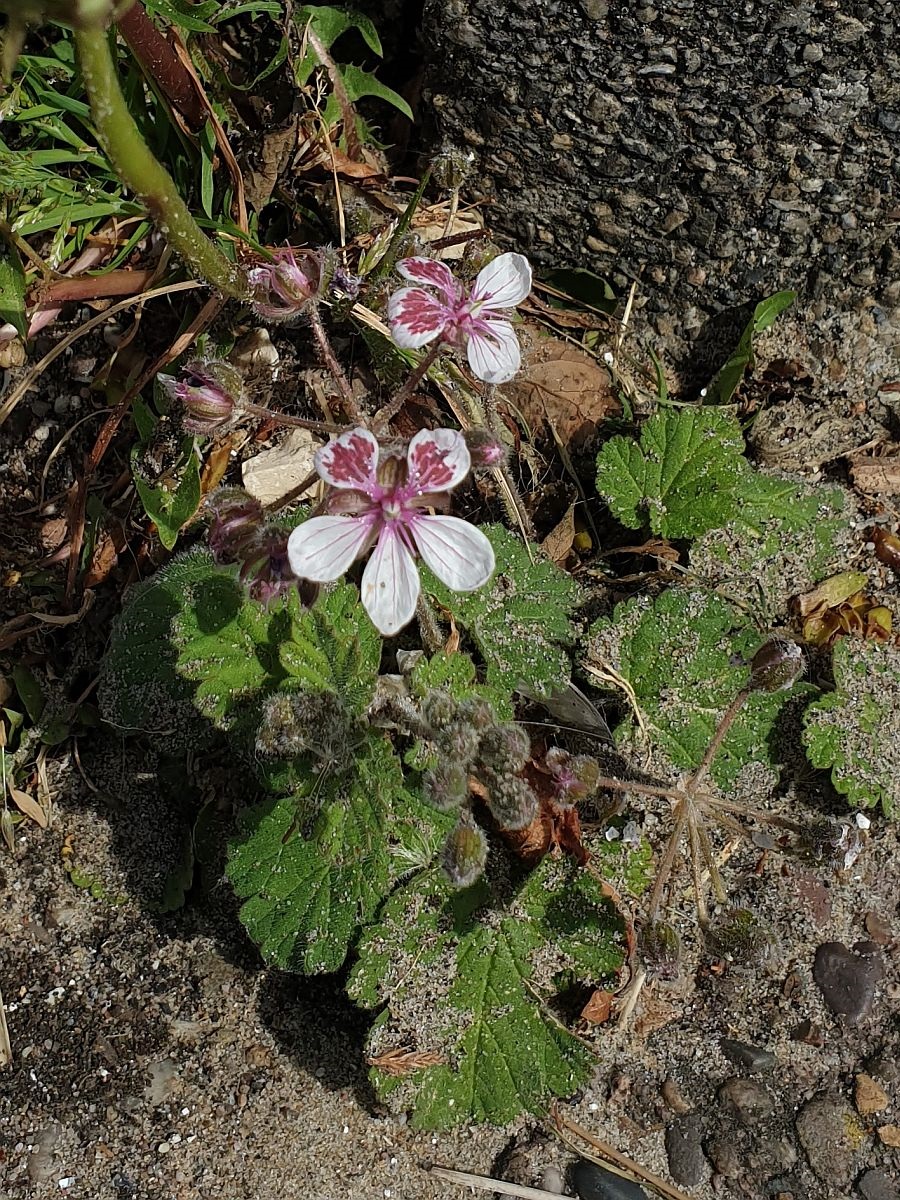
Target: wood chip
x=5, y=1044
x=404, y=1062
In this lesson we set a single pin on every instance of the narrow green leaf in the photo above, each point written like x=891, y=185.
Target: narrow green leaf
x=764, y=316
x=12, y=290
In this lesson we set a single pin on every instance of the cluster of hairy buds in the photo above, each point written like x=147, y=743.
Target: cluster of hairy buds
x=240, y=535
x=776, y=665
x=316, y=724
x=742, y=938
x=659, y=950
x=574, y=776
x=468, y=742
x=208, y=395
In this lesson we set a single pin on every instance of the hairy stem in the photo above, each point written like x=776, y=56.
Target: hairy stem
x=421, y=369
x=259, y=410
x=326, y=351
x=142, y=173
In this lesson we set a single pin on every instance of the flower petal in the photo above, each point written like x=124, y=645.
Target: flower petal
x=493, y=351
x=504, y=282
x=416, y=318
x=432, y=274
x=350, y=461
x=438, y=459
x=323, y=548
x=390, y=584
x=458, y=553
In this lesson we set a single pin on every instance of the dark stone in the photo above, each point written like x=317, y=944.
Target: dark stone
x=876, y=1185
x=725, y=1158
x=752, y=1058
x=745, y=1099
x=846, y=980
x=687, y=1162
x=594, y=1183
x=830, y=1133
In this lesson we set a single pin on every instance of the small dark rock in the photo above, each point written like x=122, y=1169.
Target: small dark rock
x=746, y=1100
x=876, y=1185
x=846, y=980
x=751, y=1058
x=725, y=1158
x=687, y=1162
x=594, y=1183
x=830, y=1133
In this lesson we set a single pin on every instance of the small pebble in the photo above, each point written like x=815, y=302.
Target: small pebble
x=553, y=1181
x=594, y=1183
x=870, y=1097
x=751, y=1058
x=745, y=1099
x=876, y=1185
x=830, y=1133
x=847, y=980
x=687, y=1162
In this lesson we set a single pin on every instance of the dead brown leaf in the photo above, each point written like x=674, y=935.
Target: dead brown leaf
x=878, y=472
x=599, y=1007
x=25, y=804
x=557, y=545
x=215, y=466
x=562, y=387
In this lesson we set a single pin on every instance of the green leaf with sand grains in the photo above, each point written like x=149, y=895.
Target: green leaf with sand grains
x=306, y=895
x=681, y=478
x=520, y=620
x=472, y=988
x=682, y=654
x=852, y=731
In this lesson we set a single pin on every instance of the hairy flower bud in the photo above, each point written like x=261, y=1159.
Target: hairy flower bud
x=741, y=937
x=236, y=523
x=776, y=665
x=512, y=802
x=464, y=854
x=659, y=950
x=485, y=449
x=477, y=713
x=450, y=166
x=439, y=709
x=446, y=785
x=266, y=569
x=209, y=393
x=459, y=741
x=287, y=284
x=307, y=723
x=505, y=748
x=574, y=775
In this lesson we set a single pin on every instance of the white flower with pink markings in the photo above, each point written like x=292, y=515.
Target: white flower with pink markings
x=381, y=500
x=475, y=318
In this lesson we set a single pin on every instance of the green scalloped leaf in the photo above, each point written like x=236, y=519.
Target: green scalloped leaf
x=475, y=990
x=683, y=654
x=681, y=478
x=334, y=647
x=521, y=621
x=305, y=897
x=852, y=730
x=456, y=675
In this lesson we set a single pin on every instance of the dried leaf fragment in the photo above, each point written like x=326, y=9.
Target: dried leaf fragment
x=30, y=807
x=399, y=1063
x=840, y=606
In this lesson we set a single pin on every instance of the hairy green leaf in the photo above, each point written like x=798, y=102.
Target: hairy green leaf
x=850, y=731
x=456, y=675
x=473, y=990
x=681, y=479
x=683, y=654
x=305, y=896
x=521, y=620
x=170, y=508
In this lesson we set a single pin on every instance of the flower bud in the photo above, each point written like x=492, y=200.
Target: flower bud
x=237, y=519
x=451, y=166
x=210, y=393
x=659, y=950
x=477, y=713
x=307, y=723
x=267, y=572
x=776, y=665
x=287, y=284
x=446, y=786
x=459, y=741
x=741, y=937
x=464, y=855
x=439, y=709
x=512, y=802
x=505, y=748
x=574, y=775
x=485, y=449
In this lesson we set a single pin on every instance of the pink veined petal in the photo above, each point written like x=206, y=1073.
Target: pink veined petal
x=350, y=461
x=493, y=351
x=458, y=553
x=323, y=548
x=504, y=282
x=432, y=274
x=416, y=318
x=390, y=584
x=438, y=459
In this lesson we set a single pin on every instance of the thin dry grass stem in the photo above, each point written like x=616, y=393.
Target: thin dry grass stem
x=607, y=677
x=608, y=1155
x=630, y=997
x=668, y=859
x=696, y=852
x=485, y=1184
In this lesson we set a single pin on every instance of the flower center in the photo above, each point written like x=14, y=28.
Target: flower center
x=392, y=507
